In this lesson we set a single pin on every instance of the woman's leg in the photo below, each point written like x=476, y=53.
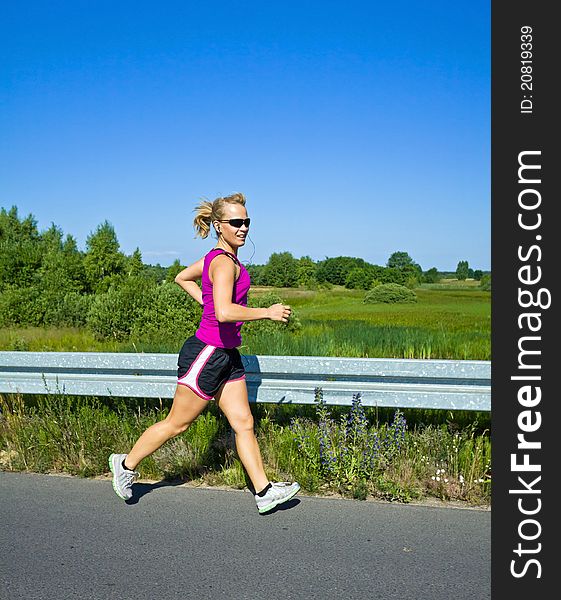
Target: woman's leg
x=186, y=407
x=232, y=401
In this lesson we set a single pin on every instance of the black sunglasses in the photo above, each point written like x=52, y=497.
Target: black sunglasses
x=237, y=222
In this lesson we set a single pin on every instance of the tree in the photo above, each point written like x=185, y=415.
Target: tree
x=74, y=262
x=413, y=275
x=52, y=239
x=398, y=260
x=358, y=279
x=60, y=280
x=256, y=274
x=173, y=270
x=393, y=275
x=134, y=263
x=431, y=276
x=336, y=270
x=103, y=258
x=156, y=272
x=20, y=249
x=306, y=272
x=55, y=273
x=53, y=276
x=462, y=270
x=477, y=274
x=280, y=270
x=11, y=228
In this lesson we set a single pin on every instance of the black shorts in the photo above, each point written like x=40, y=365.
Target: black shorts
x=204, y=368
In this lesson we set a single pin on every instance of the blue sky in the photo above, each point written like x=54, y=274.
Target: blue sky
x=353, y=128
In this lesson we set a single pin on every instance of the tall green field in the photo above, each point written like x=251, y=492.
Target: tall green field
x=451, y=323
x=444, y=323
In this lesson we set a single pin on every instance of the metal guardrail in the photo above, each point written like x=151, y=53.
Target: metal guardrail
x=441, y=384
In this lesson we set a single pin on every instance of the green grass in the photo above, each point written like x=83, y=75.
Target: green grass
x=60, y=339
x=445, y=324
x=451, y=323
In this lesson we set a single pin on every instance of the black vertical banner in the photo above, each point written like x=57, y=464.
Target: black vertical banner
x=526, y=362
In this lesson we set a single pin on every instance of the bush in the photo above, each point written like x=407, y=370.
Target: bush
x=411, y=282
x=390, y=293
x=21, y=306
x=431, y=276
x=266, y=325
x=169, y=313
x=485, y=283
x=113, y=313
x=67, y=309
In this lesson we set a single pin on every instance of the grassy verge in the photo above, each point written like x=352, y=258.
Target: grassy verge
x=355, y=451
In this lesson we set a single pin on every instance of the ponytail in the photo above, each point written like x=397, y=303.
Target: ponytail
x=203, y=219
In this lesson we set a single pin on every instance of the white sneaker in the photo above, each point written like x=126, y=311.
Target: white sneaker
x=122, y=478
x=278, y=493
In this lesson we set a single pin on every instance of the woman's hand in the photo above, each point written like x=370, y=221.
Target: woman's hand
x=279, y=312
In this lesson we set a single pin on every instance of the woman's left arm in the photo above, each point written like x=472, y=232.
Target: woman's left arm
x=187, y=278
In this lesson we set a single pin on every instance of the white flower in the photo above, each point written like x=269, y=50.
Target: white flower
x=461, y=478
x=446, y=481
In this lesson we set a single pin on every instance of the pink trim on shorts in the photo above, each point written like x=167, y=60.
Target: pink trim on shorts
x=199, y=393
x=196, y=387
x=236, y=379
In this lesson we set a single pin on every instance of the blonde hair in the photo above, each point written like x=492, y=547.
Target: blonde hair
x=207, y=212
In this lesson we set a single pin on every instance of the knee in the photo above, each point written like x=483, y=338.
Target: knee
x=243, y=423
x=176, y=428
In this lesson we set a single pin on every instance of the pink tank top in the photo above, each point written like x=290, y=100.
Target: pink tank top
x=211, y=331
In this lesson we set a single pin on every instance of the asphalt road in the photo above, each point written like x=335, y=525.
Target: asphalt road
x=66, y=538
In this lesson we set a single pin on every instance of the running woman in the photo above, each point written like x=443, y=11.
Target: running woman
x=209, y=363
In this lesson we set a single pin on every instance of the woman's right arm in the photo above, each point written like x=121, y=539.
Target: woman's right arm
x=187, y=279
